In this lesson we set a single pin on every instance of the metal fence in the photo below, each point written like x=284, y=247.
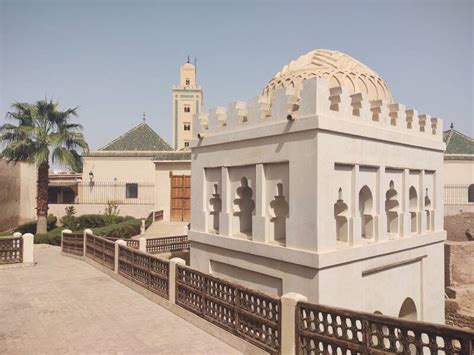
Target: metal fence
x=144, y=269
x=329, y=330
x=11, y=250
x=123, y=193
x=247, y=313
x=101, y=250
x=457, y=194
x=73, y=243
x=167, y=244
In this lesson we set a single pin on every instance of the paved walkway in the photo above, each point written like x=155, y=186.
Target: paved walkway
x=166, y=229
x=64, y=305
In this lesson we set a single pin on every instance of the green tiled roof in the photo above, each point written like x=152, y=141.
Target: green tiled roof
x=139, y=138
x=181, y=155
x=458, y=146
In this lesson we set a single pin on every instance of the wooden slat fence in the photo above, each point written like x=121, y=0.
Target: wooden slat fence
x=146, y=270
x=101, y=250
x=329, y=330
x=159, y=215
x=247, y=313
x=11, y=250
x=149, y=220
x=167, y=244
x=73, y=243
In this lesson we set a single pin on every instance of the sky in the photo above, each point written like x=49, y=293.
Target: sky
x=118, y=59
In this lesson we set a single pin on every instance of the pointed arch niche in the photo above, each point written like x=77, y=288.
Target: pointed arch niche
x=366, y=203
x=279, y=208
x=413, y=208
x=215, y=204
x=341, y=212
x=428, y=211
x=244, y=207
x=392, y=209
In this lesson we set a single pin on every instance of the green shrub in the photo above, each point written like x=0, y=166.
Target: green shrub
x=126, y=229
x=53, y=237
x=91, y=221
x=30, y=227
x=69, y=221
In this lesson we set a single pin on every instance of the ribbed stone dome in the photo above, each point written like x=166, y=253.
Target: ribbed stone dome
x=338, y=68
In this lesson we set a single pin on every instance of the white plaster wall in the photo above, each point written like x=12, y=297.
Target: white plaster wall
x=458, y=172
x=125, y=169
x=162, y=183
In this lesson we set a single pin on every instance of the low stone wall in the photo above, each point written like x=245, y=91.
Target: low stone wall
x=459, y=263
x=455, y=318
x=137, y=211
x=457, y=225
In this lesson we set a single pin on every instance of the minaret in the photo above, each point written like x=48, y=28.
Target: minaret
x=187, y=100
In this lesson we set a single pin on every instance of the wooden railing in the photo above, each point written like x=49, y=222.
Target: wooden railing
x=133, y=243
x=146, y=270
x=149, y=220
x=159, y=215
x=247, y=313
x=329, y=330
x=73, y=243
x=101, y=250
x=167, y=244
x=11, y=250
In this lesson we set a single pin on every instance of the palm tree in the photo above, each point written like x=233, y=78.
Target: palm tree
x=43, y=133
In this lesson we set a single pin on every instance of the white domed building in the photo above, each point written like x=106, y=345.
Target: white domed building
x=323, y=186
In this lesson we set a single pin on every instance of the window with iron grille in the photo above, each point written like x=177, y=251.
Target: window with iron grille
x=131, y=190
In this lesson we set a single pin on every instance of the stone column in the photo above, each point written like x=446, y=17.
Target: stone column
x=225, y=217
x=86, y=231
x=28, y=240
x=118, y=243
x=62, y=236
x=405, y=222
x=259, y=227
x=422, y=220
x=142, y=244
x=172, y=278
x=355, y=220
x=288, y=313
x=380, y=218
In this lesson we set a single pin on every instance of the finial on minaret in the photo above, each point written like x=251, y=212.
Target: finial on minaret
x=452, y=125
x=188, y=59
x=144, y=116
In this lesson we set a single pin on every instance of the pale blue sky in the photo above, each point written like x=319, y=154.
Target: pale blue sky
x=116, y=59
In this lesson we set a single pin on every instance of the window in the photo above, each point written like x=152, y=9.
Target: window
x=131, y=190
x=470, y=193
x=187, y=126
x=187, y=108
x=188, y=82
x=186, y=144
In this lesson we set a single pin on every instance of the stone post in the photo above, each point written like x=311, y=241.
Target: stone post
x=142, y=228
x=28, y=240
x=225, y=217
x=86, y=231
x=62, y=236
x=172, y=278
x=116, y=257
x=288, y=313
x=142, y=244
x=405, y=222
x=355, y=221
x=259, y=227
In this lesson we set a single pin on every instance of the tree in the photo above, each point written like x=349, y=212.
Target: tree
x=43, y=134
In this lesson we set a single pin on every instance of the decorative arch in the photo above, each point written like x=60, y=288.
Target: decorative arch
x=215, y=208
x=341, y=212
x=392, y=207
x=413, y=207
x=366, y=203
x=408, y=310
x=279, y=209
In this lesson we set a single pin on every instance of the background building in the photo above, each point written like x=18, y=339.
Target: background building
x=458, y=172
x=323, y=186
x=187, y=101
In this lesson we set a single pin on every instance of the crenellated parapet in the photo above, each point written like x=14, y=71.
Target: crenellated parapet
x=315, y=99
